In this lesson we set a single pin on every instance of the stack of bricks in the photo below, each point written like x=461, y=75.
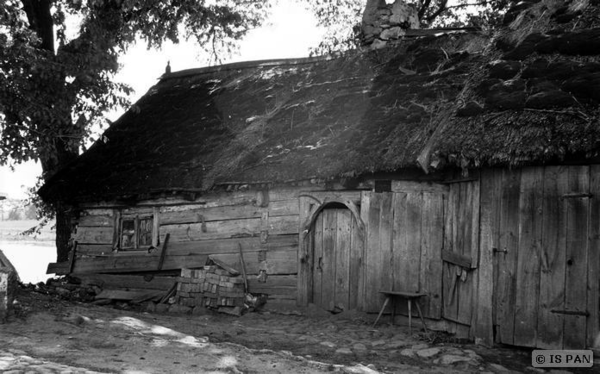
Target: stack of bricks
x=210, y=287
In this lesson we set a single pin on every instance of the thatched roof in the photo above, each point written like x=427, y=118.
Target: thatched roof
x=527, y=95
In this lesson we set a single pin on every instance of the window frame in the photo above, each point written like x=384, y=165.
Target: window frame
x=137, y=234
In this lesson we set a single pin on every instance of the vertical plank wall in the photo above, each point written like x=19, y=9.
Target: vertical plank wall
x=461, y=238
x=532, y=235
x=545, y=255
x=404, y=240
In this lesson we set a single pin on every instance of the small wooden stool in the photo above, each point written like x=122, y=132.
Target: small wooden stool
x=409, y=296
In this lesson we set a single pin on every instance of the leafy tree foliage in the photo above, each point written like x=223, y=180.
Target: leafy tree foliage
x=342, y=18
x=58, y=59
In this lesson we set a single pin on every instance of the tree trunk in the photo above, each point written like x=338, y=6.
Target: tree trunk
x=63, y=232
x=61, y=156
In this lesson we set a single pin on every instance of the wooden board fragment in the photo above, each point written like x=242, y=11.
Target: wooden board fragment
x=593, y=271
x=213, y=230
x=457, y=259
x=506, y=259
x=355, y=269
x=386, y=225
x=400, y=252
x=528, y=260
x=113, y=281
x=342, y=258
x=490, y=199
x=452, y=243
x=95, y=235
x=224, y=266
x=576, y=258
x=104, y=220
x=468, y=245
x=365, y=207
x=432, y=228
x=328, y=260
x=131, y=295
x=372, y=256
x=317, y=271
x=552, y=275
x=305, y=254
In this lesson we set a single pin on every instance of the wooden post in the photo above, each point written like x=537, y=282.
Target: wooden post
x=163, y=252
x=482, y=328
x=73, y=255
x=243, y=269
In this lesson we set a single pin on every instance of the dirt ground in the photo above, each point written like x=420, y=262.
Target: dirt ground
x=126, y=340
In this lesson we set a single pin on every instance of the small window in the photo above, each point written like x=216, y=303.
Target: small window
x=136, y=233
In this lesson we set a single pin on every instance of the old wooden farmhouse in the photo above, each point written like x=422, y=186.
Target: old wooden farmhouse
x=459, y=164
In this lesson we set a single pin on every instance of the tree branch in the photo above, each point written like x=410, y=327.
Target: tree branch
x=423, y=8
x=467, y=5
x=443, y=7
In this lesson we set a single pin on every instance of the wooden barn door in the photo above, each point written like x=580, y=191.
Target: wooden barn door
x=460, y=254
x=547, y=257
x=336, y=259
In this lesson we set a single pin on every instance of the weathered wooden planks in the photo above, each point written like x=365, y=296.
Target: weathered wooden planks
x=365, y=207
x=461, y=253
x=432, y=237
x=305, y=253
x=355, y=271
x=386, y=225
x=528, y=260
x=276, y=261
x=283, y=285
x=593, y=270
x=490, y=202
x=199, y=214
x=232, y=245
x=94, y=235
x=93, y=249
x=576, y=258
x=506, y=260
x=129, y=263
x=317, y=270
x=379, y=207
x=552, y=275
x=411, y=186
x=96, y=220
x=328, y=259
x=401, y=252
x=342, y=259
x=449, y=271
x=113, y=281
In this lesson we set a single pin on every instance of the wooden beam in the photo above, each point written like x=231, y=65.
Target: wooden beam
x=456, y=259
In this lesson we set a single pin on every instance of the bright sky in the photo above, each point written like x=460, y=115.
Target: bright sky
x=290, y=33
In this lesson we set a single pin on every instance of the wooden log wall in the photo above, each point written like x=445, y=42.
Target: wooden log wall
x=263, y=224
x=507, y=256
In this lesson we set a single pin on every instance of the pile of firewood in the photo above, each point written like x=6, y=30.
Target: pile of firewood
x=211, y=287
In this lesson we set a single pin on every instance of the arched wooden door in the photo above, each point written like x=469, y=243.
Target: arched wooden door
x=336, y=261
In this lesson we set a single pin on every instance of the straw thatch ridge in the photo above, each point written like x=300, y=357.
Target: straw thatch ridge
x=527, y=95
